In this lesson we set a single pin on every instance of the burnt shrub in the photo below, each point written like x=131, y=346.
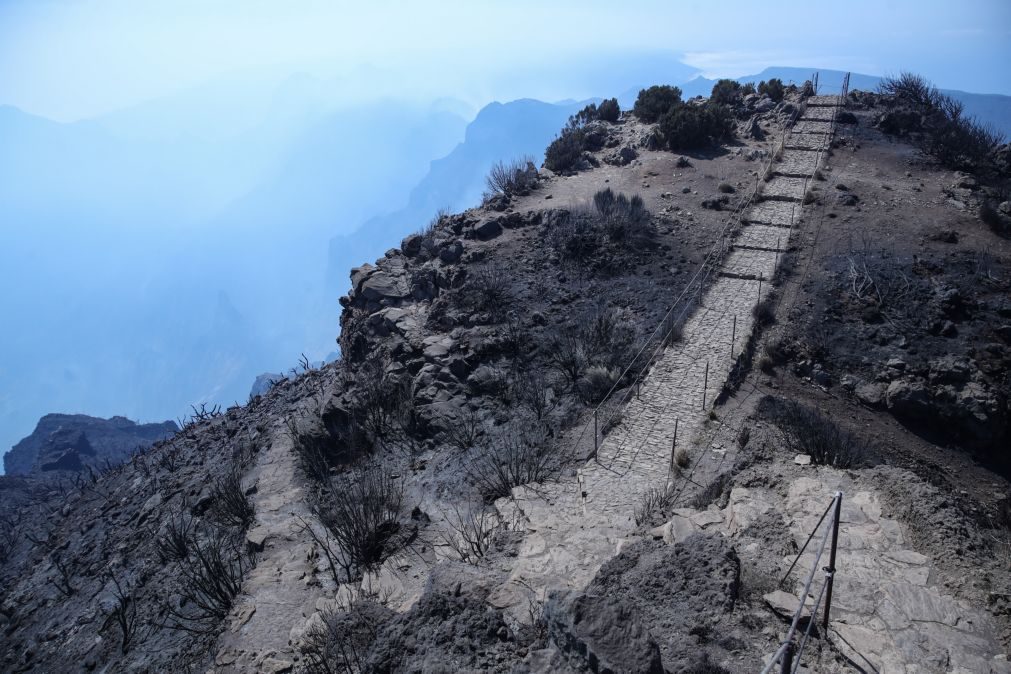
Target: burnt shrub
x=574, y=236
x=688, y=127
x=517, y=177
x=360, y=513
x=773, y=88
x=653, y=102
x=952, y=137
x=726, y=92
x=509, y=460
x=212, y=576
x=230, y=505
x=807, y=431
x=623, y=218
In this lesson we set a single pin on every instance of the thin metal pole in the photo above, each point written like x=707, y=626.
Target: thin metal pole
x=673, y=446
x=705, y=386
x=759, y=289
x=787, y=667
x=779, y=240
x=830, y=570
x=594, y=433
x=733, y=336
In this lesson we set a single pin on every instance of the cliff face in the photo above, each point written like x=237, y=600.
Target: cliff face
x=72, y=442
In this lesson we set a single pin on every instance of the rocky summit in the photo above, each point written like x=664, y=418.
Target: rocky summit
x=719, y=386
x=72, y=443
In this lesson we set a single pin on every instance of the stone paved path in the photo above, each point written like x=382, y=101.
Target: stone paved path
x=276, y=592
x=886, y=614
x=573, y=526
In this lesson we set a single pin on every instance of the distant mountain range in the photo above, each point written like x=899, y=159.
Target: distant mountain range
x=500, y=132
x=167, y=254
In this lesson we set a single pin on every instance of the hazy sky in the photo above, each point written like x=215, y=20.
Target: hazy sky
x=69, y=59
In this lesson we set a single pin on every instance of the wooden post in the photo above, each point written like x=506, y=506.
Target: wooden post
x=830, y=570
x=705, y=386
x=733, y=336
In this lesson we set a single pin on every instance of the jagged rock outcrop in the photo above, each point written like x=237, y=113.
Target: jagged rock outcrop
x=73, y=442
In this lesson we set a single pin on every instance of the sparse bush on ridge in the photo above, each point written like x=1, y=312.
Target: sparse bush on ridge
x=726, y=92
x=689, y=127
x=952, y=137
x=772, y=88
x=609, y=110
x=564, y=151
x=653, y=102
x=517, y=177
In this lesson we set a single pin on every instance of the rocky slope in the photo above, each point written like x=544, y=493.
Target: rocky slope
x=356, y=517
x=71, y=443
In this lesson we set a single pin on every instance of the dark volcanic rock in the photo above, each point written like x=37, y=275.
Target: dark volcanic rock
x=601, y=634
x=72, y=442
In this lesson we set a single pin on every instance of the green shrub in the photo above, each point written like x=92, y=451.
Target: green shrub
x=690, y=127
x=747, y=88
x=652, y=103
x=564, y=152
x=609, y=110
x=773, y=89
x=726, y=92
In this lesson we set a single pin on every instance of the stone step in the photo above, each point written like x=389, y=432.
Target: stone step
x=825, y=113
x=812, y=126
x=773, y=213
x=797, y=162
x=806, y=141
x=819, y=101
x=750, y=264
x=784, y=188
x=763, y=237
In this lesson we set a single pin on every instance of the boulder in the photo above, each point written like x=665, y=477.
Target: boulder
x=488, y=229
x=451, y=252
x=870, y=394
x=601, y=634
x=359, y=275
x=411, y=245
x=908, y=399
x=380, y=286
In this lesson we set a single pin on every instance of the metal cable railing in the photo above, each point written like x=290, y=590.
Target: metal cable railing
x=788, y=655
x=679, y=309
